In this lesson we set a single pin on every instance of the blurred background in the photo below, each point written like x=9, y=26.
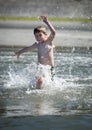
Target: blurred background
x=55, y=8
x=71, y=18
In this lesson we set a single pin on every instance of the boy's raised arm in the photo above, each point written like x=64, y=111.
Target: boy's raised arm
x=52, y=29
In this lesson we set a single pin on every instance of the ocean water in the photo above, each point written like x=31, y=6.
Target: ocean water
x=64, y=104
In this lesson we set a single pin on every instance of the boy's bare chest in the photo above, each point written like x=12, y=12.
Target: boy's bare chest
x=44, y=48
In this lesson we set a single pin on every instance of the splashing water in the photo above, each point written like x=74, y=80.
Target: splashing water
x=21, y=78
x=71, y=89
x=26, y=78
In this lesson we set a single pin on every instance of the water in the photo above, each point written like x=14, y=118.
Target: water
x=26, y=8
x=64, y=104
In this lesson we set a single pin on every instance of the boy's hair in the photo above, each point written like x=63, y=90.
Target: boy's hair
x=40, y=29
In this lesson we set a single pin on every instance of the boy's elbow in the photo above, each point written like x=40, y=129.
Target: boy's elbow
x=54, y=32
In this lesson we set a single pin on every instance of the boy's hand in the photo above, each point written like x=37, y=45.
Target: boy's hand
x=44, y=18
x=17, y=54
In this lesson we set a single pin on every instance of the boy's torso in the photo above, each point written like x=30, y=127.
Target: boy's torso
x=45, y=53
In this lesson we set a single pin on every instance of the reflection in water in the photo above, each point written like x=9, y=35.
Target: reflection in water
x=3, y=110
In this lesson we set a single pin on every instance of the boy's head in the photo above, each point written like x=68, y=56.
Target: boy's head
x=40, y=29
x=40, y=33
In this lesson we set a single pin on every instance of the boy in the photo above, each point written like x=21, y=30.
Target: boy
x=44, y=46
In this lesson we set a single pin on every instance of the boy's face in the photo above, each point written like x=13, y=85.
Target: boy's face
x=40, y=36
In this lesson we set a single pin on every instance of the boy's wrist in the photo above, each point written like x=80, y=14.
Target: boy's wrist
x=47, y=22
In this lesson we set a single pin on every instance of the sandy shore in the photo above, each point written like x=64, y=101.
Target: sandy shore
x=20, y=33
x=57, y=25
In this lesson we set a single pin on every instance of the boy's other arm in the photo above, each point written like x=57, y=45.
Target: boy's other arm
x=26, y=49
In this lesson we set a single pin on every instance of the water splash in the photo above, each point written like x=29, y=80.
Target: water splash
x=20, y=78
x=72, y=94
x=26, y=78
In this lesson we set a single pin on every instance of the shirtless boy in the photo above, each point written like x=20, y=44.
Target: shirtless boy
x=44, y=45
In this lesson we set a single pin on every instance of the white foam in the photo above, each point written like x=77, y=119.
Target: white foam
x=26, y=78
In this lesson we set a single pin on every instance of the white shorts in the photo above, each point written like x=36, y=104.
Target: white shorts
x=45, y=71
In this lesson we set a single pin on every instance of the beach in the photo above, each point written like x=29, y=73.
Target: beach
x=68, y=34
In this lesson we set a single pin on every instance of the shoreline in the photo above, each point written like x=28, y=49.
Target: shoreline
x=62, y=49
x=69, y=34
x=68, y=25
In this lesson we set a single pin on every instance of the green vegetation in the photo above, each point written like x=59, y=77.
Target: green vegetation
x=54, y=19
x=19, y=18
x=71, y=20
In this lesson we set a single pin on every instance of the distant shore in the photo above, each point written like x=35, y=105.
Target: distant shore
x=69, y=34
x=59, y=23
x=53, y=19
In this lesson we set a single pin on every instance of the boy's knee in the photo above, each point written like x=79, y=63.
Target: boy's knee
x=39, y=82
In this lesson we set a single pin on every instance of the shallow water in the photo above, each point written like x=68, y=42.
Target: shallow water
x=65, y=103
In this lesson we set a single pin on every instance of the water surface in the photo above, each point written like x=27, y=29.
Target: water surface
x=65, y=103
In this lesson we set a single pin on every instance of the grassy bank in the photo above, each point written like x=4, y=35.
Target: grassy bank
x=54, y=19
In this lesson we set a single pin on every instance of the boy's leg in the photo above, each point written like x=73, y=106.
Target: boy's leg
x=39, y=82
